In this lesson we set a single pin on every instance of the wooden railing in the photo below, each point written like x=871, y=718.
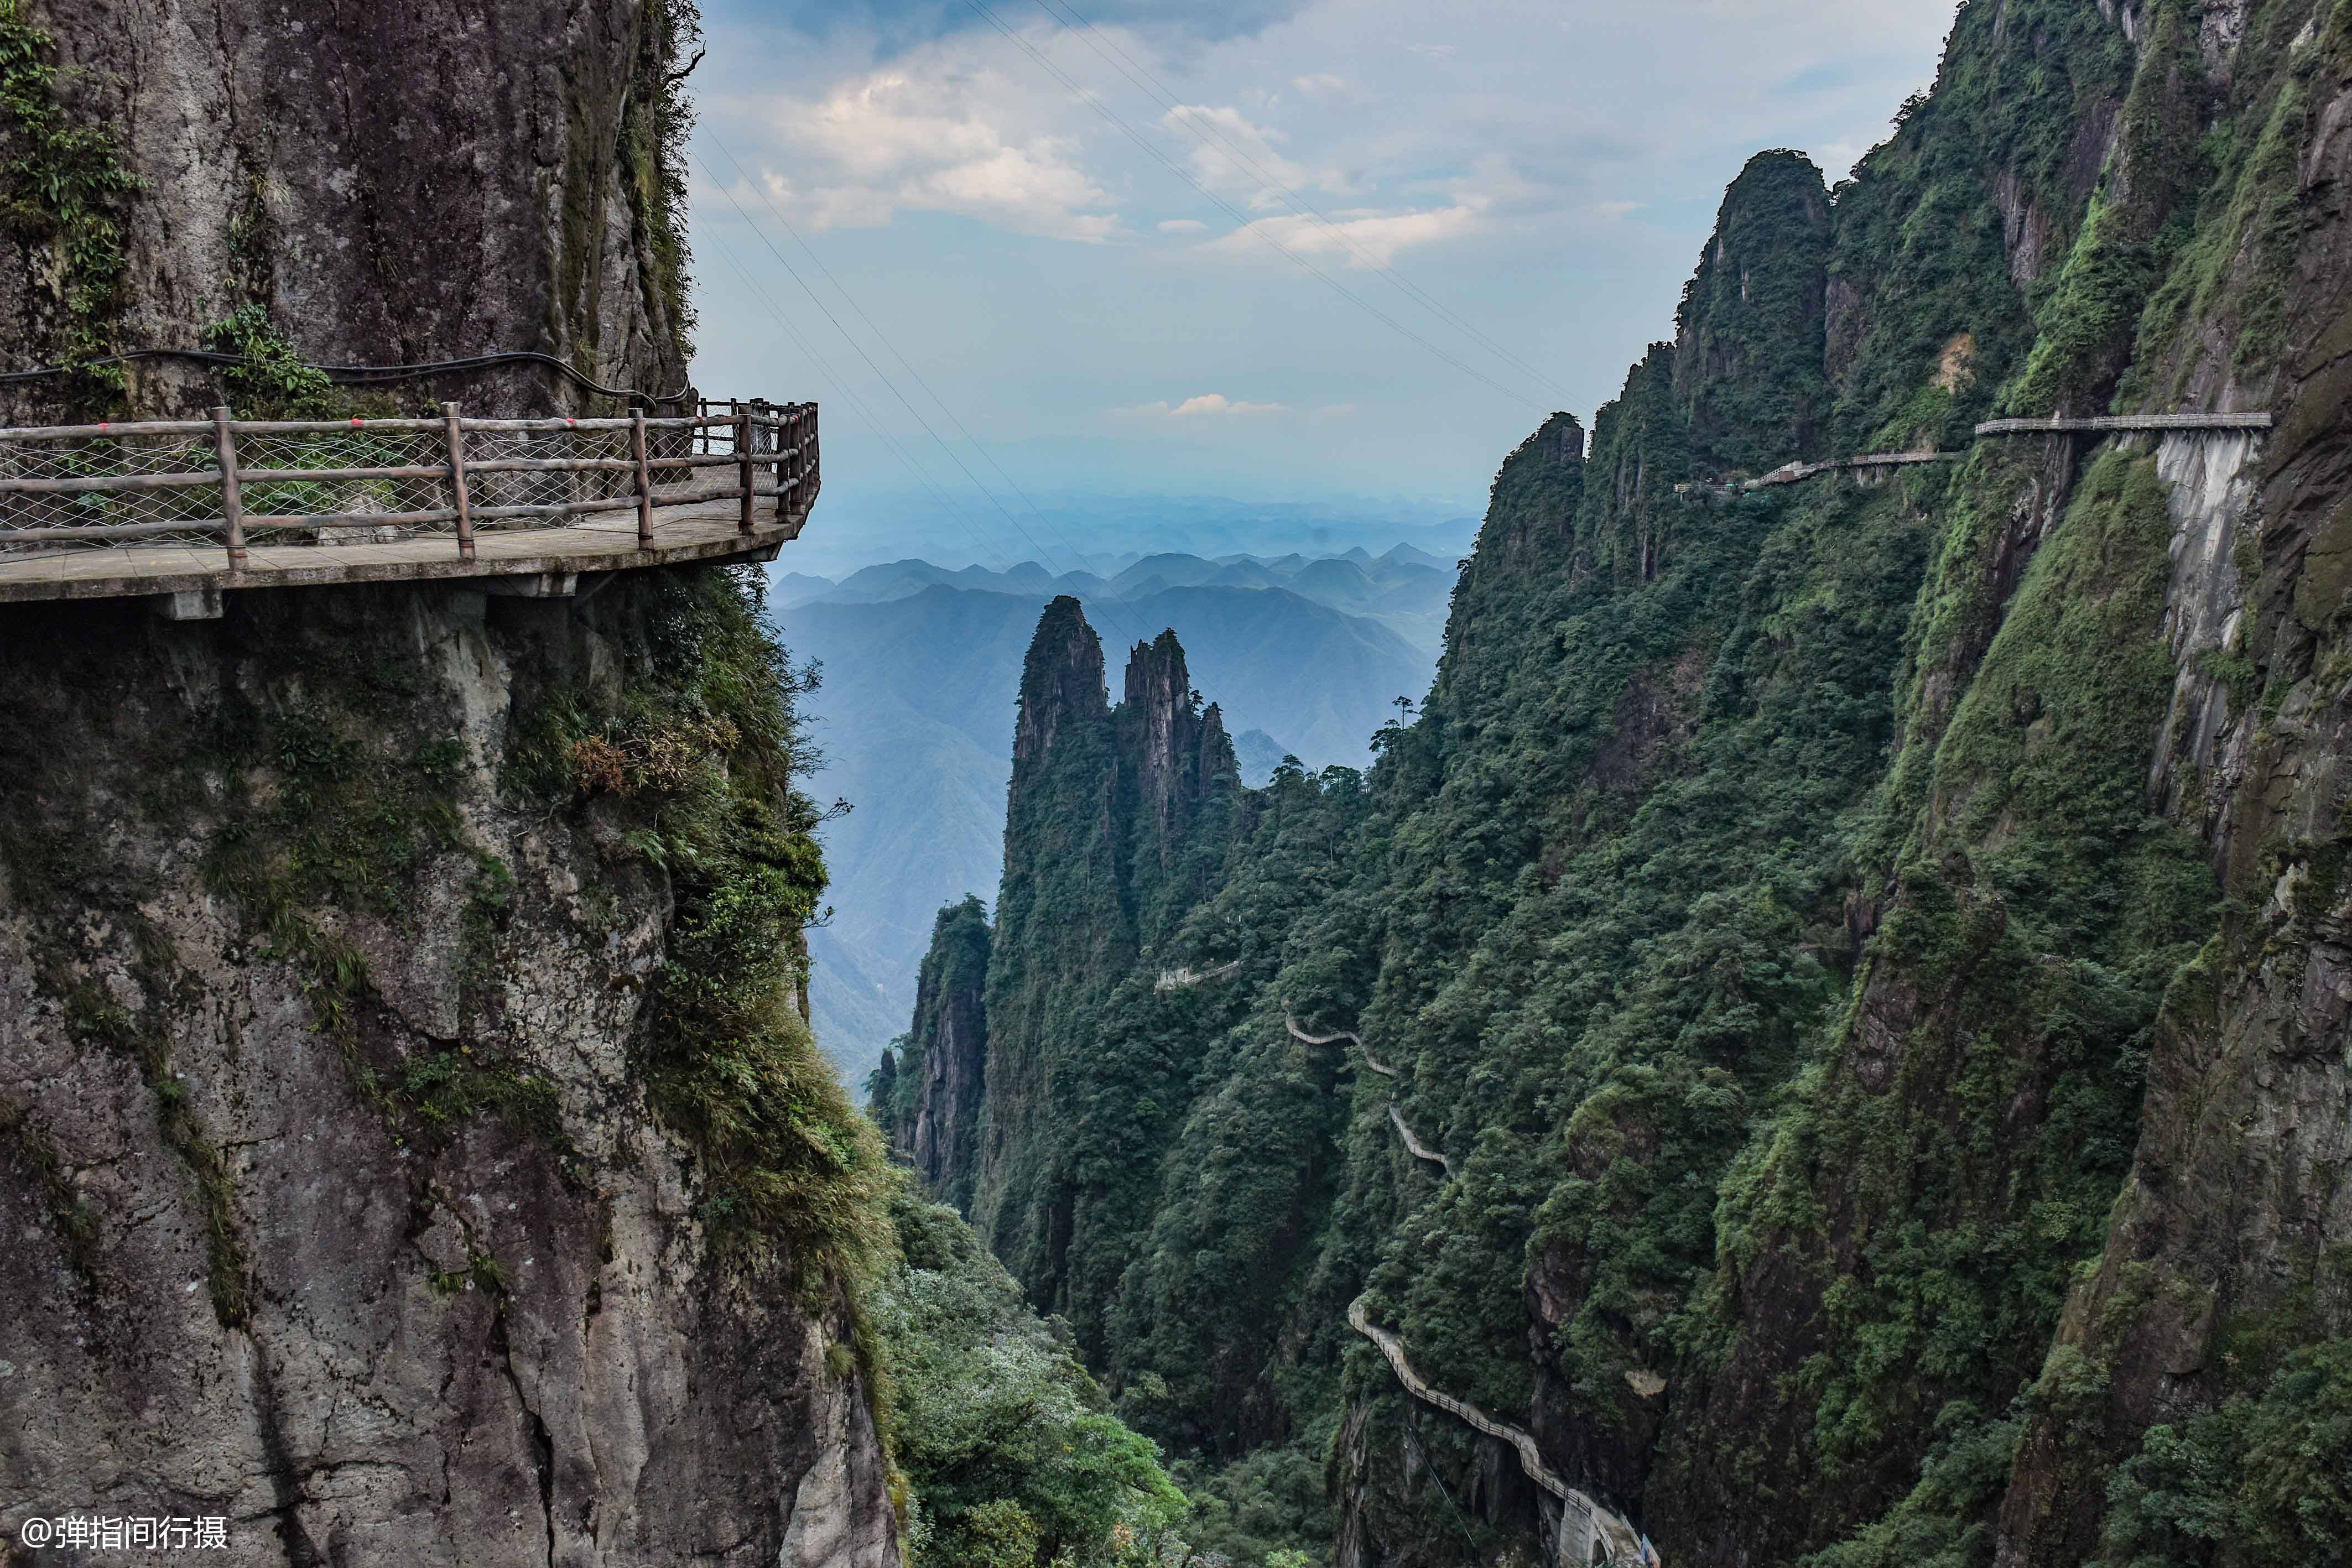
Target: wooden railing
x=231, y=482
x=2104, y=423
x=2095, y=425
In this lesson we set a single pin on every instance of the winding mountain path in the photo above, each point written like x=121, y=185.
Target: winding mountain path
x=1789, y=473
x=1178, y=979
x=1291, y=1024
x=1584, y=1524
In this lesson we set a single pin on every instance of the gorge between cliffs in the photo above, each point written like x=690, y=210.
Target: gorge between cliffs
x=1823, y=1040
x=1830, y=1020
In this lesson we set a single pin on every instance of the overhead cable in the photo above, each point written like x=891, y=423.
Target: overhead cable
x=1202, y=130
x=1242, y=219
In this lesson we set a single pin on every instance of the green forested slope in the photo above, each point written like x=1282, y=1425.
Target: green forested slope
x=1871, y=951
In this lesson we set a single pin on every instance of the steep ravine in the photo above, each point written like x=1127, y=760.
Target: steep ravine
x=1869, y=951
x=376, y=967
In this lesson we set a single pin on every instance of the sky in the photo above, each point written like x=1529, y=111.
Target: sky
x=1278, y=250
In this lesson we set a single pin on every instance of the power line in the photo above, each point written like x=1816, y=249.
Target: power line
x=1235, y=213
x=851, y=299
x=362, y=374
x=1151, y=87
x=1047, y=556
x=842, y=385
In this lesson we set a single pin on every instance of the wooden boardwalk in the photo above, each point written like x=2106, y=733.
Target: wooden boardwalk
x=705, y=531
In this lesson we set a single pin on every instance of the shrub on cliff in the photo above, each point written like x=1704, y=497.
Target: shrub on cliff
x=1012, y=1456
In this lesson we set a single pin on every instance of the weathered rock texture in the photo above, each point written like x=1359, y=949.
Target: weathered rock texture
x=347, y=1217
x=395, y=183
x=936, y=1114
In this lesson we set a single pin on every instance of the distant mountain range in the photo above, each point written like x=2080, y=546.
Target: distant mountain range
x=921, y=671
x=860, y=524
x=1405, y=589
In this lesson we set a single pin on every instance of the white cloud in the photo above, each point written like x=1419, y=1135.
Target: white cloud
x=1181, y=226
x=1229, y=153
x=1334, y=411
x=1320, y=84
x=1610, y=212
x=1204, y=405
x=1433, y=51
x=932, y=134
x=1362, y=238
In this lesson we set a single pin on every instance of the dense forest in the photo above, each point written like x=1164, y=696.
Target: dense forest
x=1865, y=955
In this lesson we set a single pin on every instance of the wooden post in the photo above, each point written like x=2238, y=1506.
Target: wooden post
x=788, y=473
x=645, y=479
x=232, y=504
x=464, y=502
x=743, y=462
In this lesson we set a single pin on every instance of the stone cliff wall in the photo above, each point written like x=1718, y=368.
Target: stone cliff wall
x=392, y=184
x=364, y=1177
x=935, y=1117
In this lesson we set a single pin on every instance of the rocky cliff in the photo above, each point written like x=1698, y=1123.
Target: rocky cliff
x=1114, y=821
x=412, y=1151
x=1864, y=957
x=933, y=1107
x=380, y=186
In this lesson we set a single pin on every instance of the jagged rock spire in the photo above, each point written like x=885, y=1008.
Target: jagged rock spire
x=1061, y=680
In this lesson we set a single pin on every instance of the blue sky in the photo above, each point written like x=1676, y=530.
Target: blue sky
x=1094, y=233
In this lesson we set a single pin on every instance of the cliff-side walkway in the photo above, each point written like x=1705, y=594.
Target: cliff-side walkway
x=529, y=560
x=180, y=511
x=1584, y=1524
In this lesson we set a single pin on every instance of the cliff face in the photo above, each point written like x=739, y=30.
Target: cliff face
x=412, y=1151
x=1870, y=952
x=936, y=1107
x=1113, y=820
x=1748, y=352
x=391, y=185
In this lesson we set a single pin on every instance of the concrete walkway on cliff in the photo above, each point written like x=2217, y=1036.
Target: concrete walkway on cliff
x=1584, y=1524
x=536, y=562
x=1796, y=470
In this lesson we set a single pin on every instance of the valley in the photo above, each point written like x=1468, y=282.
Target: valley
x=921, y=674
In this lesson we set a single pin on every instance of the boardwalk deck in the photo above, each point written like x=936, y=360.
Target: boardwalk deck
x=706, y=531
x=1584, y=1523
x=2107, y=423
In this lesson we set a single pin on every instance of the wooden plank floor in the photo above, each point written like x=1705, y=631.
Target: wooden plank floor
x=608, y=542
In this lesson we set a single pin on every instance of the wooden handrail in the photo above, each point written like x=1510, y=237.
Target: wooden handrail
x=792, y=458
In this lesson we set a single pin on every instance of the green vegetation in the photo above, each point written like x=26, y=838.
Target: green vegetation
x=701, y=757
x=1010, y=1454
x=32, y=1165
x=1767, y=914
x=94, y=1019
x=1750, y=373
x=61, y=191
x=654, y=128
x=2255, y=1480
x=275, y=381
x=1945, y=1522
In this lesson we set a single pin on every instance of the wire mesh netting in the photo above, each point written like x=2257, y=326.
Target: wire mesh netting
x=500, y=467
x=340, y=506
x=176, y=500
